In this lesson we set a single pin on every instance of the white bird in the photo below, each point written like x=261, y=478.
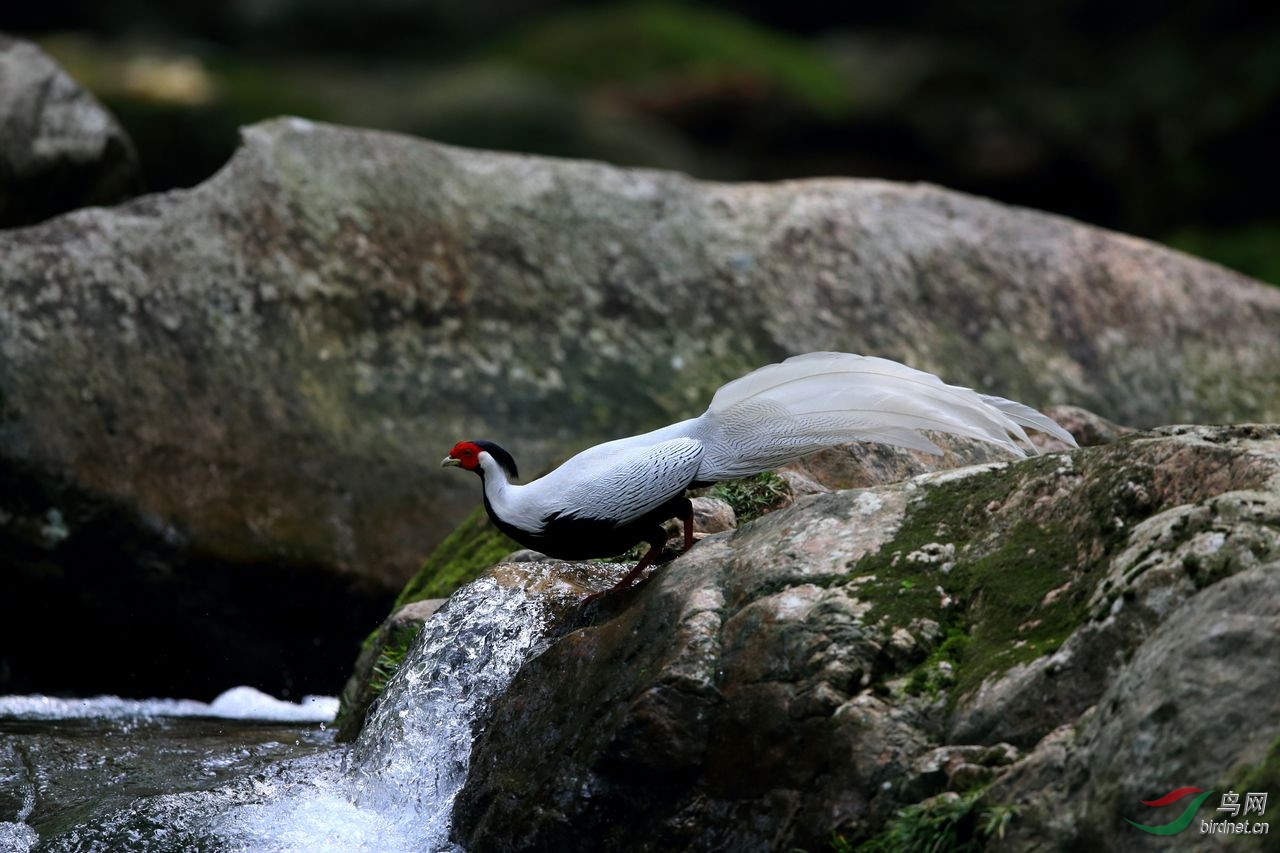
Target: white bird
x=610, y=497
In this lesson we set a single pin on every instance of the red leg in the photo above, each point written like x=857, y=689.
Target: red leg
x=645, y=562
x=686, y=515
x=657, y=540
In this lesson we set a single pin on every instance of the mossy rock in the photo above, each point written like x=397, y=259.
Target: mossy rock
x=950, y=822
x=995, y=574
x=835, y=674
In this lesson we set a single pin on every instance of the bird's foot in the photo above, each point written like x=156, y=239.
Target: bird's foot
x=619, y=587
x=595, y=596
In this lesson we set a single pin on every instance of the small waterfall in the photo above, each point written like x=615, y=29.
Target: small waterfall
x=412, y=757
x=398, y=785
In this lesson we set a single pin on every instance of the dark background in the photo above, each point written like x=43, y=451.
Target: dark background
x=1156, y=118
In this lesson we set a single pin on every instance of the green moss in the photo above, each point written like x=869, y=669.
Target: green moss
x=752, y=497
x=472, y=547
x=944, y=824
x=1007, y=588
x=1263, y=776
x=1025, y=562
x=1206, y=570
x=937, y=673
x=637, y=44
x=905, y=574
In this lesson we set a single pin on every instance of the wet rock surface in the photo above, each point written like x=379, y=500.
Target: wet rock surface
x=1031, y=647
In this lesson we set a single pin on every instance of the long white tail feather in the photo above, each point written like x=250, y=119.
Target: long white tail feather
x=1026, y=416
x=784, y=411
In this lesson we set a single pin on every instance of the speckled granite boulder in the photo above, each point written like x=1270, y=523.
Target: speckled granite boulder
x=274, y=361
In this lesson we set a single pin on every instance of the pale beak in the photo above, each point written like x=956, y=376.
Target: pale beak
x=450, y=462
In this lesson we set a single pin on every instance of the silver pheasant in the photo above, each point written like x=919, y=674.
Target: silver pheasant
x=610, y=497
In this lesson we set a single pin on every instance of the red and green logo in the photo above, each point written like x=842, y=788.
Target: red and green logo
x=1183, y=820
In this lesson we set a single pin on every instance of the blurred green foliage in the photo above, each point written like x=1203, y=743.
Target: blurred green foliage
x=667, y=44
x=1254, y=247
x=1155, y=118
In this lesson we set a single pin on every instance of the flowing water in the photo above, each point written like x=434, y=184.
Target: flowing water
x=141, y=777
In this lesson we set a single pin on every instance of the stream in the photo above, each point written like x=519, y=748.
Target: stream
x=251, y=773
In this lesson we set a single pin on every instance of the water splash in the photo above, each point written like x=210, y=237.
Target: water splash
x=412, y=757
x=15, y=775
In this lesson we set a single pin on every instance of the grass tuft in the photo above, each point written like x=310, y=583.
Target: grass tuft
x=948, y=823
x=752, y=497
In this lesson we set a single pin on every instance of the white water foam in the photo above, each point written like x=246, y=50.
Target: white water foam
x=238, y=703
x=15, y=778
x=17, y=837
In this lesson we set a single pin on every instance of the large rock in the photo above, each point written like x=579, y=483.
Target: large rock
x=274, y=362
x=59, y=148
x=1015, y=654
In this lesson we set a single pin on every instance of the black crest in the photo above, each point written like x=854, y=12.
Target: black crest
x=504, y=458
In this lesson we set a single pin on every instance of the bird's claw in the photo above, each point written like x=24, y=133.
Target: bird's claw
x=592, y=598
x=603, y=594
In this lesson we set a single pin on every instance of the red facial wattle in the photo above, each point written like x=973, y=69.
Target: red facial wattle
x=467, y=454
